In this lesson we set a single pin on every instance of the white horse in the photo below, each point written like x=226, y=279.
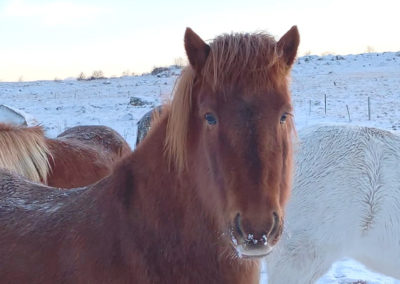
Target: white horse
x=16, y=116
x=345, y=203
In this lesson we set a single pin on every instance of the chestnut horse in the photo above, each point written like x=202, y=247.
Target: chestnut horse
x=79, y=156
x=200, y=200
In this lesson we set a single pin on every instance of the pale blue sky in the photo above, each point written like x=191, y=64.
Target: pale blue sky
x=43, y=39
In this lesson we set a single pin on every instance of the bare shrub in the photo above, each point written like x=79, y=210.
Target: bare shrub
x=158, y=70
x=96, y=75
x=81, y=77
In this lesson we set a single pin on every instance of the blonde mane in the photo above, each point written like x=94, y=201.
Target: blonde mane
x=252, y=60
x=178, y=119
x=24, y=151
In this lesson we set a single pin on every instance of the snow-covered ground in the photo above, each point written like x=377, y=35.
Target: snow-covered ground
x=347, y=83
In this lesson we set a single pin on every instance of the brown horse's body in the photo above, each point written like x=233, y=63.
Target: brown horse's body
x=175, y=244
x=204, y=211
x=83, y=155
x=79, y=156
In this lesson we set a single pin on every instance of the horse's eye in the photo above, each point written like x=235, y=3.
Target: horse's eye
x=284, y=117
x=210, y=119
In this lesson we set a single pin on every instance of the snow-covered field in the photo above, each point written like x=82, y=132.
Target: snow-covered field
x=346, y=83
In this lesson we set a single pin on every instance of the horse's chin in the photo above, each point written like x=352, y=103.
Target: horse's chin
x=248, y=252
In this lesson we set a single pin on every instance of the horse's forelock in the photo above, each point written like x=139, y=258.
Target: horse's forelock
x=250, y=59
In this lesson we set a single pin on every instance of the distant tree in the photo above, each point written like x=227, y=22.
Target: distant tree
x=97, y=74
x=81, y=77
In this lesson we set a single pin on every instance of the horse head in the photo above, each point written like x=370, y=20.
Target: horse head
x=239, y=130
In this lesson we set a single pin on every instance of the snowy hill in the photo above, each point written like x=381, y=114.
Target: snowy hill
x=345, y=83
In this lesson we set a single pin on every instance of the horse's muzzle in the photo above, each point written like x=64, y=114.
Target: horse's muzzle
x=251, y=244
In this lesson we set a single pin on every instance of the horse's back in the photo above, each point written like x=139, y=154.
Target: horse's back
x=345, y=202
x=17, y=194
x=100, y=136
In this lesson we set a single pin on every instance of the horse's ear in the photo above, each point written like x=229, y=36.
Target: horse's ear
x=288, y=45
x=196, y=49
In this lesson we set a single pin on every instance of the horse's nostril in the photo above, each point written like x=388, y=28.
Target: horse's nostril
x=276, y=217
x=237, y=225
x=275, y=224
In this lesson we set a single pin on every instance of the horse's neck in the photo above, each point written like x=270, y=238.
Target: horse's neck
x=167, y=221
x=153, y=175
